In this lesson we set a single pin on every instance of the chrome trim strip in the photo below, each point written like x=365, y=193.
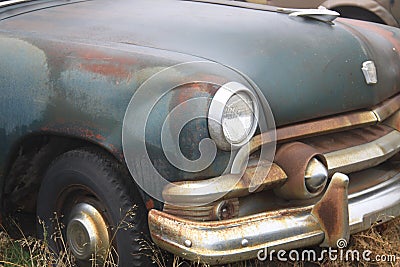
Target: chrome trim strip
x=332, y=124
x=324, y=126
x=364, y=156
x=387, y=108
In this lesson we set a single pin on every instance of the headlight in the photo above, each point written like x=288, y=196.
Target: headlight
x=233, y=116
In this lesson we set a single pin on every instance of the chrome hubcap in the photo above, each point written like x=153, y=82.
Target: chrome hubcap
x=87, y=234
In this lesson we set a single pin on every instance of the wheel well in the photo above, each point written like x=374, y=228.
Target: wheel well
x=353, y=12
x=27, y=166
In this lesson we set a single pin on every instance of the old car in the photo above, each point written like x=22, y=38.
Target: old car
x=379, y=11
x=214, y=129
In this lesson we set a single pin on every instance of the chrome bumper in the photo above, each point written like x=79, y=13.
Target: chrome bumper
x=335, y=216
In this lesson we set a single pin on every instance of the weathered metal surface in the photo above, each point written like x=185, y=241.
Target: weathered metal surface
x=188, y=139
x=328, y=125
x=320, y=132
x=364, y=156
x=303, y=130
x=87, y=233
x=324, y=126
x=221, y=242
x=220, y=210
x=357, y=149
x=345, y=139
x=294, y=158
x=332, y=211
x=387, y=108
x=80, y=91
x=308, y=45
x=359, y=182
x=372, y=177
x=393, y=121
x=382, y=193
x=228, y=185
x=76, y=71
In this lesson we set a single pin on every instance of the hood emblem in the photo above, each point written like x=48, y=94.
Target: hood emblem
x=321, y=14
x=369, y=71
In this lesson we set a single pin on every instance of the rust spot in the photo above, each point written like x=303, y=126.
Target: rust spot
x=96, y=54
x=149, y=204
x=328, y=125
x=293, y=158
x=382, y=31
x=75, y=131
x=387, y=108
x=108, y=69
x=327, y=211
x=209, y=212
x=342, y=140
x=332, y=211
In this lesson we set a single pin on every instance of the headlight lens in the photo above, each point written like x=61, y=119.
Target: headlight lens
x=238, y=118
x=233, y=116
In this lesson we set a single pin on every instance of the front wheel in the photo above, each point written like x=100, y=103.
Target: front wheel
x=90, y=206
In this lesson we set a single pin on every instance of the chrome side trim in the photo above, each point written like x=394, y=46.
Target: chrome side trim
x=364, y=156
x=364, y=206
x=387, y=108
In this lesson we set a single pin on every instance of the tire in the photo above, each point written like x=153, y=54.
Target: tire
x=75, y=183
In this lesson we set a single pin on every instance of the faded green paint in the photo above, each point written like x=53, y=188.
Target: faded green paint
x=72, y=69
x=57, y=87
x=306, y=69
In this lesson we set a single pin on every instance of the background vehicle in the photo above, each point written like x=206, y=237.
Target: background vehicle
x=380, y=11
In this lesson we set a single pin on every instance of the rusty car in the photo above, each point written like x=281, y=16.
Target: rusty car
x=213, y=129
x=379, y=11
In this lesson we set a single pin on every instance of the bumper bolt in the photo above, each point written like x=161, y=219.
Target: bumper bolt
x=188, y=243
x=245, y=242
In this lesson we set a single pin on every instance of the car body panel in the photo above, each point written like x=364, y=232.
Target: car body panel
x=63, y=84
x=310, y=45
x=75, y=74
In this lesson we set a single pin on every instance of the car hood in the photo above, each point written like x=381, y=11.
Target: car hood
x=305, y=68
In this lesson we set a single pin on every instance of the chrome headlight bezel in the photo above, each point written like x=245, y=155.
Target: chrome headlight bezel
x=216, y=114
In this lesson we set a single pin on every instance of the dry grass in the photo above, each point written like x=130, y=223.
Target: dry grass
x=33, y=252
x=380, y=240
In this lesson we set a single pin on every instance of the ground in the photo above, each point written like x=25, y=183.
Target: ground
x=382, y=240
